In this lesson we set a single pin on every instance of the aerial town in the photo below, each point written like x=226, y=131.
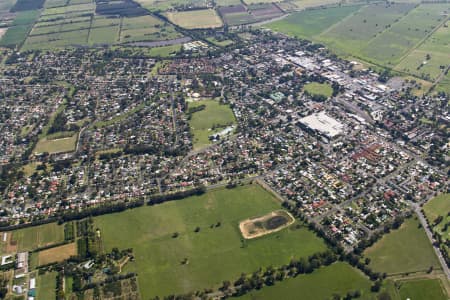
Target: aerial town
x=87, y=132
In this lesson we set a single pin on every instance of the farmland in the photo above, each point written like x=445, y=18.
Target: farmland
x=19, y=29
x=46, y=286
x=194, y=19
x=406, y=249
x=307, y=24
x=406, y=36
x=208, y=117
x=38, y=236
x=438, y=206
x=338, y=278
x=57, y=254
x=150, y=232
x=422, y=289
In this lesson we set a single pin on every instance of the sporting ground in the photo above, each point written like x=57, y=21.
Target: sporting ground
x=215, y=253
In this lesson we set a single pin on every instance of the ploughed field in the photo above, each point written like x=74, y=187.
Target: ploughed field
x=195, y=243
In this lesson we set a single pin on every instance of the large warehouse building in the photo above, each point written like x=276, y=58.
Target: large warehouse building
x=323, y=124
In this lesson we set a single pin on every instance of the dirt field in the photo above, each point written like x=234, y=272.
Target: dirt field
x=259, y=226
x=57, y=254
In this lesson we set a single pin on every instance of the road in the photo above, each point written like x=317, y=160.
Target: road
x=438, y=252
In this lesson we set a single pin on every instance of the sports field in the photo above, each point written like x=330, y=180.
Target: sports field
x=422, y=289
x=195, y=19
x=406, y=249
x=66, y=144
x=38, y=236
x=46, y=286
x=321, y=89
x=214, y=118
x=215, y=253
x=338, y=278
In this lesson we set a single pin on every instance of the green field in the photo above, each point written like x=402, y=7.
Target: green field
x=195, y=19
x=306, y=24
x=321, y=89
x=406, y=249
x=423, y=289
x=38, y=236
x=146, y=28
x=438, y=206
x=21, y=26
x=66, y=144
x=46, y=286
x=338, y=278
x=214, y=254
x=214, y=115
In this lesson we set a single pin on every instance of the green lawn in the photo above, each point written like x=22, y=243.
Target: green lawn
x=338, y=278
x=309, y=23
x=46, y=286
x=202, y=122
x=38, y=236
x=404, y=250
x=315, y=88
x=66, y=144
x=214, y=254
x=423, y=289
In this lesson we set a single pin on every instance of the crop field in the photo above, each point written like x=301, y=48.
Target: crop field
x=444, y=84
x=57, y=254
x=58, y=145
x=46, y=286
x=54, y=3
x=315, y=88
x=215, y=253
x=422, y=289
x=236, y=15
x=264, y=11
x=338, y=278
x=302, y=4
x=146, y=28
x=210, y=120
x=390, y=46
x=38, y=236
x=195, y=19
x=21, y=26
x=406, y=249
x=227, y=2
x=306, y=24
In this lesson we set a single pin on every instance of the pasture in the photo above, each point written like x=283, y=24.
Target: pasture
x=213, y=118
x=307, y=24
x=338, y=278
x=422, y=289
x=57, y=254
x=46, y=286
x=19, y=29
x=37, y=236
x=195, y=19
x=66, y=144
x=146, y=28
x=208, y=247
x=438, y=206
x=321, y=89
x=404, y=250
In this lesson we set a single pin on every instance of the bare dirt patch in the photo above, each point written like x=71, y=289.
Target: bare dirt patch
x=57, y=254
x=272, y=222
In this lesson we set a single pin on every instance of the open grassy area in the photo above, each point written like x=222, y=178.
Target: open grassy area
x=422, y=289
x=21, y=26
x=46, y=286
x=338, y=278
x=406, y=249
x=203, y=18
x=306, y=24
x=57, y=145
x=214, y=118
x=215, y=253
x=57, y=254
x=315, y=88
x=38, y=236
x=439, y=207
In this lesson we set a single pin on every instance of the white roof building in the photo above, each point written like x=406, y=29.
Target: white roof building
x=323, y=124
